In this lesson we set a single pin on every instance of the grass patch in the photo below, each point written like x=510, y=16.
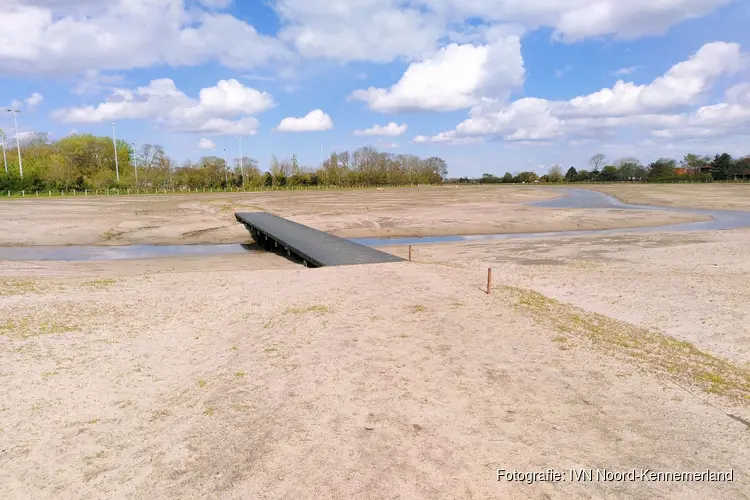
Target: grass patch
x=209, y=412
x=25, y=328
x=102, y=283
x=676, y=359
x=239, y=374
x=201, y=384
x=309, y=309
x=18, y=288
x=418, y=309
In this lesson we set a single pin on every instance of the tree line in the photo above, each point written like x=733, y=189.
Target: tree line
x=692, y=167
x=84, y=161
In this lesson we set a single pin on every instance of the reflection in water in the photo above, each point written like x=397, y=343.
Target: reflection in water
x=576, y=198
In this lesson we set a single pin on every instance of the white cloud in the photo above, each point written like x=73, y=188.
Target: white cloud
x=650, y=106
x=385, y=30
x=456, y=77
x=391, y=130
x=215, y=111
x=314, y=121
x=55, y=37
x=348, y=30
x=70, y=37
x=208, y=144
x=678, y=87
x=449, y=138
x=33, y=100
x=629, y=70
x=94, y=82
x=723, y=118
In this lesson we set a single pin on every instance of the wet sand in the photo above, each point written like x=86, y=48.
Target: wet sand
x=209, y=218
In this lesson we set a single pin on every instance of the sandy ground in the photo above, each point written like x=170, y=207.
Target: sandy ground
x=691, y=285
x=246, y=376
x=710, y=196
x=209, y=218
x=387, y=381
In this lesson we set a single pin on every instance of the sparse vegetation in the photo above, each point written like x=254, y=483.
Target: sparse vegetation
x=309, y=309
x=674, y=358
x=201, y=384
x=101, y=283
x=18, y=288
x=419, y=308
x=29, y=327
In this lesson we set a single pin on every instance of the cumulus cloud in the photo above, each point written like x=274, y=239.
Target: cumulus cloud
x=714, y=120
x=30, y=102
x=314, y=121
x=384, y=30
x=69, y=37
x=391, y=130
x=222, y=109
x=51, y=37
x=33, y=100
x=657, y=105
x=207, y=144
x=456, y=77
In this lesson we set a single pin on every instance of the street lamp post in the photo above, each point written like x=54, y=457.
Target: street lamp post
x=18, y=142
x=114, y=143
x=5, y=157
x=226, y=168
x=135, y=161
x=242, y=163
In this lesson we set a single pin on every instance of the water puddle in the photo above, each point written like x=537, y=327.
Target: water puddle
x=88, y=253
x=575, y=198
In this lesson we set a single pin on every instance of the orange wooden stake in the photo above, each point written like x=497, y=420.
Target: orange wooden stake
x=489, y=280
x=409, y=253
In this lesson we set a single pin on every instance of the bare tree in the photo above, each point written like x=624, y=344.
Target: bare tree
x=597, y=161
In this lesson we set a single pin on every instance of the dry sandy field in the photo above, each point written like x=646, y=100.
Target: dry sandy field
x=248, y=376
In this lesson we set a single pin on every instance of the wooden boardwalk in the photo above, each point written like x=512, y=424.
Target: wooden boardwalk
x=315, y=248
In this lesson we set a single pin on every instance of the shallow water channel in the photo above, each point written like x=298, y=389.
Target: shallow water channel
x=575, y=198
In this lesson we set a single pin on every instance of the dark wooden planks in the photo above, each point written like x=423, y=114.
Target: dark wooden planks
x=317, y=248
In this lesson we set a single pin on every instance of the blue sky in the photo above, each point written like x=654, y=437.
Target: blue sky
x=488, y=85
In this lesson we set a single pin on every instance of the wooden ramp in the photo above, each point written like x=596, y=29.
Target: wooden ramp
x=315, y=248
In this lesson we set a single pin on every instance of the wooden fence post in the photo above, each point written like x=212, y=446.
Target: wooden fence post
x=409, y=253
x=489, y=280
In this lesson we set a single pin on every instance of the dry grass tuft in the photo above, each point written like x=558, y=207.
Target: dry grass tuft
x=309, y=309
x=680, y=361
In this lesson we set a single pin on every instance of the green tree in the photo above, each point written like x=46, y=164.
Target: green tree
x=571, y=174
x=722, y=166
x=663, y=168
x=555, y=174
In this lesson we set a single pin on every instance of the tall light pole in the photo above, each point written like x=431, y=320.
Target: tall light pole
x=18, y=142
x=135, y=161
x=114, y=143
x=5, y=158
x=226, y=168
x=242, y=163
